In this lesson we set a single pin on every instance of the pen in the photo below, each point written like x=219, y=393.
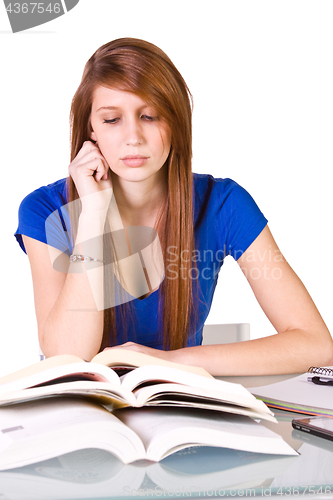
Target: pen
x=321, y=380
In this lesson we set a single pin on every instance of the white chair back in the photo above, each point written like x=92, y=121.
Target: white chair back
x=225, y=333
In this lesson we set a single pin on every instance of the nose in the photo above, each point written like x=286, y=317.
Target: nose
x=134, y=135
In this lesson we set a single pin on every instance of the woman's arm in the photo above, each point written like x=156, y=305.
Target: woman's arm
x=302, y=337
x=67, y=316
x=69, y=305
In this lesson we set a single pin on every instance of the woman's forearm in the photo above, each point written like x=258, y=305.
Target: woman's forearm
x=292, y=351
x=75, y=323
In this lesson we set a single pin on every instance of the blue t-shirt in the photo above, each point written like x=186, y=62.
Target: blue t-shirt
x=226, y=222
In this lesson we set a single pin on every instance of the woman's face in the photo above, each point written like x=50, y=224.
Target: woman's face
x=132, y=138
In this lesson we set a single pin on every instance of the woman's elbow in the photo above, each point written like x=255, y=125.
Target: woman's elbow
x=325, y=350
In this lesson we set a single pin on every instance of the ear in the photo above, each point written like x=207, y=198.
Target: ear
x=93, y=136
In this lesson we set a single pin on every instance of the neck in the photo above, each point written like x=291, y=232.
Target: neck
x=139, y=202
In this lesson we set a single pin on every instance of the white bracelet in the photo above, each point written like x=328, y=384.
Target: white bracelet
x=83, y=258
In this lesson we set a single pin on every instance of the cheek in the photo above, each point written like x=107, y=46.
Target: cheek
x=164, y=143
x=107, y=143
x=167, y=147
x=107, y=150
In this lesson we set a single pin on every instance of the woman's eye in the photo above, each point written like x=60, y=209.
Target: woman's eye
x=113, y=120
x=149, y=118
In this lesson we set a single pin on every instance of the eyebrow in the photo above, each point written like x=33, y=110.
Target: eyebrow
x=115, y=108
x=107, y=107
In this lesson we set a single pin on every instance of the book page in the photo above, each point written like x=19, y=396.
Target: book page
x=163, y=431
x=45, y=429
x=125, y=357
x=190, y=387
x=156, y=373
x=104, y=393
x=64, y=373
x=111, y=357
x=54, y=361
x=189, y=397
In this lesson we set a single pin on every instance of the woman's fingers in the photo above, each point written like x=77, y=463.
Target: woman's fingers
x=90, y=173
x=88, y=160
x=89, y=165
x=86, y=147
x=92, y=178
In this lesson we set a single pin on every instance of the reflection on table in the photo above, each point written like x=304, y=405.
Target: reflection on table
x=98, y=474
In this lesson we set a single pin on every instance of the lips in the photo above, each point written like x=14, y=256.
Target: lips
x=134, y=160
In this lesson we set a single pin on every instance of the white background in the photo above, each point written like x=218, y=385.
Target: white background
x=261, y=75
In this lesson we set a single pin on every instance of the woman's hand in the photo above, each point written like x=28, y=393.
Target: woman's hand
x=92, y=177
x=132, y=346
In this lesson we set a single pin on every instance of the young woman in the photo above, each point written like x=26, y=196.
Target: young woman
x=102, y=278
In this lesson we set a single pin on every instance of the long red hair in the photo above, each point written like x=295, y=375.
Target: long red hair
x=140, y=67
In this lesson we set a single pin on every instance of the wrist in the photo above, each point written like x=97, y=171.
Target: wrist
x=97, y=202
x=91, y=213
x=91, y=225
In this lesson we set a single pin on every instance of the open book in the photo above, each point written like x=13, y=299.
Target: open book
x=154, y=382
x=40, y=430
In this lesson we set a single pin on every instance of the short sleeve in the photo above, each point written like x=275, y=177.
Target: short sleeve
x=240, y=217
x=43, y=216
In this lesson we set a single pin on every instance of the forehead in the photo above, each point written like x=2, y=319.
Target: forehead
x=108, y=98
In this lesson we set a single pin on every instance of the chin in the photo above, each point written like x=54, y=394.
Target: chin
x=137, y=174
